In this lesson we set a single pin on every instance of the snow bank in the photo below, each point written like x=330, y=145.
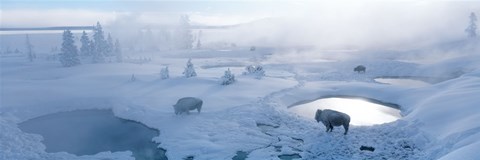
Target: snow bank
x=250, y=115
x=449, y=117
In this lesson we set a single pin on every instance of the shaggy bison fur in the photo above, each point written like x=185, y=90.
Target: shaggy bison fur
x=331, y=118
x=184, y=105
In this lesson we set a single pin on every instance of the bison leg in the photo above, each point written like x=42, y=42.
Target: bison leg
x=199, y=106
x=345, y=126
x=331, y=127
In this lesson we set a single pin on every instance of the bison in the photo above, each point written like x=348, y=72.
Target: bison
x=186, y=104
x=359, y=69
x=332, y=118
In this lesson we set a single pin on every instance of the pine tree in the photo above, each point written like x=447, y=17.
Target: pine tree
x=150, y=41
x=256, y=71
x=118, y=51
x=199, y=43
x=30, y=53
x=91, y=47
x=472, y=27
x=100, y=44
x=189, y=70
x=8, y=51
x=184, y=38
x=133, y=78
x=85, y=49
x=228, y=77
x=69, y=55
x=164, y=73
x=110, y=46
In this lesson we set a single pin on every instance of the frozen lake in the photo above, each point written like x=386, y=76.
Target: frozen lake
x=361, y=112
x=88, y=132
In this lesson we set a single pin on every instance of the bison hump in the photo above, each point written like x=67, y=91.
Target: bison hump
x=188, y=101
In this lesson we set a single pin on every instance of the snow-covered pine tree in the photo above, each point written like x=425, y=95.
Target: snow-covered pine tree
x=91, y=47
x=183, y=34
x=85, y=49
x=256, y=71
x=164, y=73
x=133, y=78
x=166, y=38
x=150, y=40
x=472, y=27
x=189, y=70
x=100, y=45
x=118, y=51
x=199, y=43
x=110, y=46
x=29, y=48
x=8, y=51
x=228, y=77
x=69, y=55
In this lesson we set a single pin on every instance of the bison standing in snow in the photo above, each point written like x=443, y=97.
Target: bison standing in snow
x=186, y=104
x=332, y=118
x=360, y=69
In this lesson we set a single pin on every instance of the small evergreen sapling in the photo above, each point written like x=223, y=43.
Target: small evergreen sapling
x=189, y=70
x=228, y=77
x=164, y=73
x=256, y=71
x=30, y=53
x=133, y=78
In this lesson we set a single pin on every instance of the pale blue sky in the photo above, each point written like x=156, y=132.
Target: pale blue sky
x=17, y=12
x=21, y=13
x=215, y=6
x=301, y=22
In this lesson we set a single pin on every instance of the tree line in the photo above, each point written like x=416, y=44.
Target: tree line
x=96, y=50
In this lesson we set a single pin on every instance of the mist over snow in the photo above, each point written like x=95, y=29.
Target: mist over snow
x=323, y=24
x=359, y=25
x=257, y=70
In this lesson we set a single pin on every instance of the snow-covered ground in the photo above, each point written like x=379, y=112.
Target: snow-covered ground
x=440, y=120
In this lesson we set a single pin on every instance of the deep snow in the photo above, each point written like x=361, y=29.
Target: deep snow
x=440, y=120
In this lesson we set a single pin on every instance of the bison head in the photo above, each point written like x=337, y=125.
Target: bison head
x=317, y=115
